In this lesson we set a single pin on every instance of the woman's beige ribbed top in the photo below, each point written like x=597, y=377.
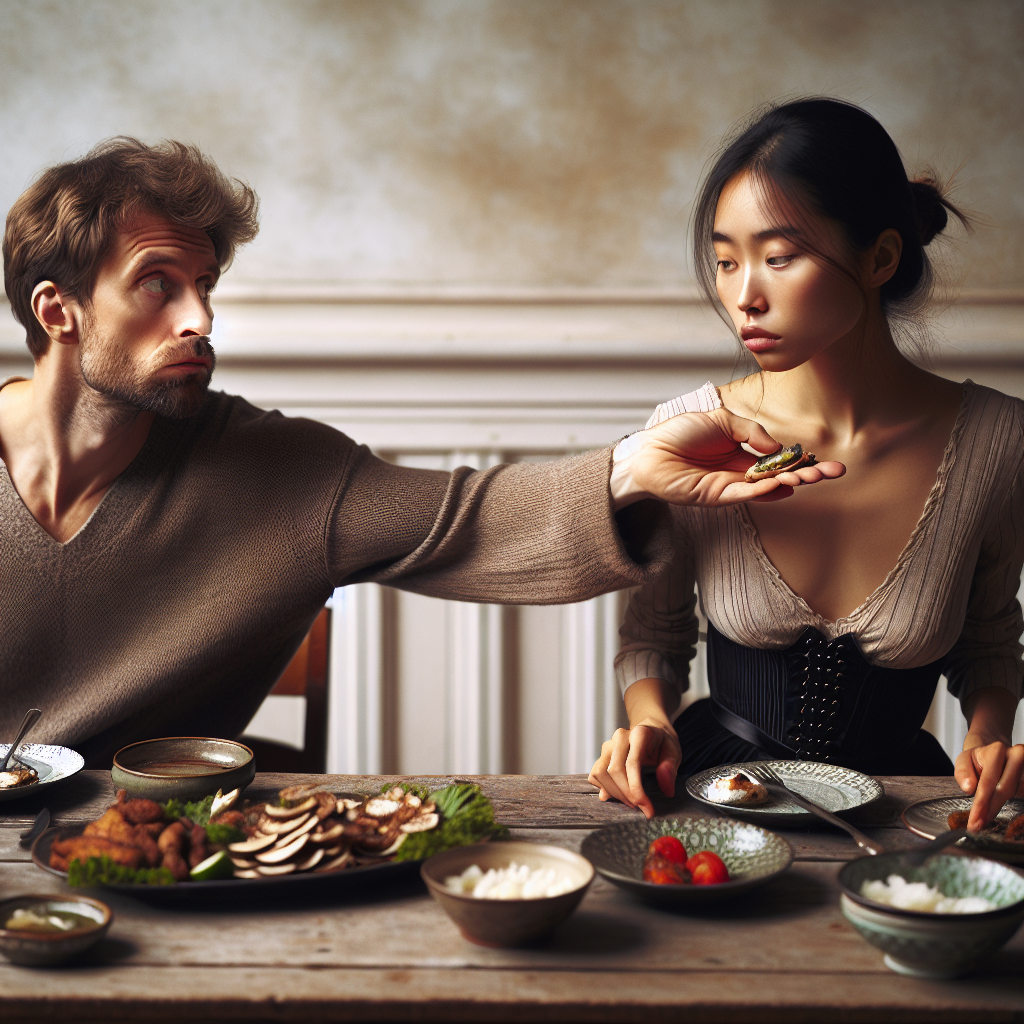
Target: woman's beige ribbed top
x=952, y=594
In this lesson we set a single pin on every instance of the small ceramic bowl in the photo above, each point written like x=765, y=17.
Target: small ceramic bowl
x=929, y=945
x=490, y=922
x=752, y=855
x=47, y=949
x=182, y=767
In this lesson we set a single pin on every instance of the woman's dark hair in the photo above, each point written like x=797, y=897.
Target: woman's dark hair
x=837, y=160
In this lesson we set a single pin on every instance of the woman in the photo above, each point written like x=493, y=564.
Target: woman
x=832, y=615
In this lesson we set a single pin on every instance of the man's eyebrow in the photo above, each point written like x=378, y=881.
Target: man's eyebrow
x=155, y=258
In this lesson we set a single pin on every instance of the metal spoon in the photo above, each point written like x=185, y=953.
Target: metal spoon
x=31, y=717
x=39, y=825
x=915, y=858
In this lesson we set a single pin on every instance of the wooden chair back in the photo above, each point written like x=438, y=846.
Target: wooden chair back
x=305, y=676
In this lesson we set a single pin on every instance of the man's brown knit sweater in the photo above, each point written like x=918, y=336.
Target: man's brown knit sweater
x=176, y=607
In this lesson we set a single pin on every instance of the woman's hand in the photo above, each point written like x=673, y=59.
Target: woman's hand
x=993, y=773
x=616, y=772
x=989, y=768
x=696, y=459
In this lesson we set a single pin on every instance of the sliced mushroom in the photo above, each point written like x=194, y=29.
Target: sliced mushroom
x=280, y=854
x=329, y=835
x=397, y=793
x=421, y=823
x=412, y=800
x=281, y=827
x=246, y=873
x=245, y=863
x=252, y=845
x=311, y=861
x=326, y=806
x=337, y=864
x=223, y=802
x=284, y=813
x=334, y=851
x=276, y=869
x=393, y=848
x=380, y=807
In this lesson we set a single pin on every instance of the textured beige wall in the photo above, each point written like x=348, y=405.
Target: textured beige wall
x=510, y=142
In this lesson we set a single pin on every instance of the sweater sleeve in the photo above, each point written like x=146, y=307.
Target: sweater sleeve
x=988, y=652
x=526, y=533
x=659, y=631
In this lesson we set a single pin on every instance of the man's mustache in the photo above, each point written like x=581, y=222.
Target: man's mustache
x=201, y=347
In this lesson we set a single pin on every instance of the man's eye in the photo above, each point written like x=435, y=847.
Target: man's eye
x=157, y=285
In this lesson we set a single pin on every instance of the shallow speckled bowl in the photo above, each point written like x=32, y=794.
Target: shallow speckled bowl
x=47, y=949
x=752, y=855
x=506, y=922
x=935, y=945
x=182, y=767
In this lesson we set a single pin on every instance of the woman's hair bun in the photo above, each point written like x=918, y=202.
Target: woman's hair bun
x=929, y=208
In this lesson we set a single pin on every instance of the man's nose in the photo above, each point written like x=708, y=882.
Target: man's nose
x=194, y=317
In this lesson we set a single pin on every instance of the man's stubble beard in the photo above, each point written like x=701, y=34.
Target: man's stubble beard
x=108, y=369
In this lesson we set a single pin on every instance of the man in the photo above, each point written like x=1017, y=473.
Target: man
x=164, y=549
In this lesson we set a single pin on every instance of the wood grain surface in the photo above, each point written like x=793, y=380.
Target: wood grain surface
x=388, y=952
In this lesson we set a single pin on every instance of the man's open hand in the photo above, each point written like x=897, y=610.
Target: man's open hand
x=696, y=459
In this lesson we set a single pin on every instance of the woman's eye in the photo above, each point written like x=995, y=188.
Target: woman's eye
x=724, y=264
x=779, y=261
x=157, y=285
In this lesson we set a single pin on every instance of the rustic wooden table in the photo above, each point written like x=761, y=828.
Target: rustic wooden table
x=786, y=954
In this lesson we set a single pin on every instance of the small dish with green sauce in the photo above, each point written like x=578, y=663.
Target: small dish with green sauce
x=42, y=931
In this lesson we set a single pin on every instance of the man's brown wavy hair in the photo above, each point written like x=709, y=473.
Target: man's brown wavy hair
x=64, y=225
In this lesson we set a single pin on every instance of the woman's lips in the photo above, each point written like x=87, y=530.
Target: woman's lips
x=757, y=339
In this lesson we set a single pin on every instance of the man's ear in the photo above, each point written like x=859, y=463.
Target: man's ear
x=883, y=258
x=59, y=317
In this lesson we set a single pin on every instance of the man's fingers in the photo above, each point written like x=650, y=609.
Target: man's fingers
x=749, y=432
x=1009, y=780
x=666, y=773
x=634, y=776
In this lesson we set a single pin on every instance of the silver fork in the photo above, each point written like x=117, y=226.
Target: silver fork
x=766, y=775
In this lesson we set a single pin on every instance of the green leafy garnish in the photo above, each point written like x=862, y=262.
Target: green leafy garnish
x=220, y=834
x=467, y=817
x=103, y=871
x=197, y=811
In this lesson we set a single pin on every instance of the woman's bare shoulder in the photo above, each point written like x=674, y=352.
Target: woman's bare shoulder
x=743, y=396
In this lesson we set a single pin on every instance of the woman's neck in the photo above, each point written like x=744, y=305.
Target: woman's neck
x=861, y=378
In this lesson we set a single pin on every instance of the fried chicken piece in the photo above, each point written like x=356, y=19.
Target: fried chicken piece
x=958, y=819
x=197, y=851
x=113, y=826
x=83, y=847
x=173, y=844
x=175, y=863
x=1015, y=830
x=142, y=812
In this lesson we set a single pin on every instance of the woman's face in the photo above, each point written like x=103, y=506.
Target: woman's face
x=787, y=305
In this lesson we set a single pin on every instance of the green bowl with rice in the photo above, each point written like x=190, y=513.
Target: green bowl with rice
x=935, y=921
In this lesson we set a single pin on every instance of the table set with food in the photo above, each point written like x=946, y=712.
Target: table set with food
x=181, y=884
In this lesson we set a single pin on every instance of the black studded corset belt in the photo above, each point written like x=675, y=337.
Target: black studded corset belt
x=818, y=700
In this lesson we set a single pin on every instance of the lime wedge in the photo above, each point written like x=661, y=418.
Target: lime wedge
x=217, y=866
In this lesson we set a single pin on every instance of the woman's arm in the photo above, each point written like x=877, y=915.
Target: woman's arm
x=989, y=767
x=984, y=667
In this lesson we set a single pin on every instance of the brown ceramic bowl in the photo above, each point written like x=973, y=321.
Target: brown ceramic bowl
x=182, y=767
x=47, y=949
x=490, y=922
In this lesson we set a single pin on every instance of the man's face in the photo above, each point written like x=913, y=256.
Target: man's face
x=145, y=339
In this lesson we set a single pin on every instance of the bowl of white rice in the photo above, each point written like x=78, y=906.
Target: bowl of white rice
x=937, y=920
x=507, y=894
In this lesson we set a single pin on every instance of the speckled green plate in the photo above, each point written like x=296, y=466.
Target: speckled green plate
x=752, y=854
x=929, y=818
x=830, y=786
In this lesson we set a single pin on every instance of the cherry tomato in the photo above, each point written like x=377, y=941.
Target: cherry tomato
x=707, y=868
x=670, y=848
x=662, y=871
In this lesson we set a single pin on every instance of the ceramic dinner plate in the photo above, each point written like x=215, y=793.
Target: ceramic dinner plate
x=53, y=764
x=238, y=889
x=752, y=854
x=928, y=818
x=834, y=788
